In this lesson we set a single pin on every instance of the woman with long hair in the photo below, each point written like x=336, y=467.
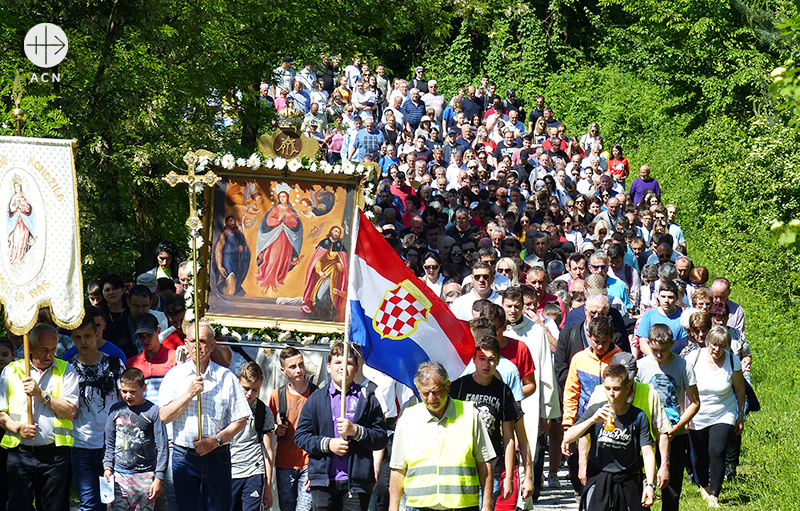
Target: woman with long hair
x=618, y=165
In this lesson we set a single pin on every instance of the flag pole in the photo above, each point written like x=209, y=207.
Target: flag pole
x=347, y=317
x=26, y=343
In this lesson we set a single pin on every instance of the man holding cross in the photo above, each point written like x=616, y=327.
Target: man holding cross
x=201, y=466
x=38, y=453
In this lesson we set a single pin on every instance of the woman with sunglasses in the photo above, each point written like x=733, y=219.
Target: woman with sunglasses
x=431, y=265
x=581, y=213
x=567, y=228
x=592, y=138
x=507, y=268
x=521, y=227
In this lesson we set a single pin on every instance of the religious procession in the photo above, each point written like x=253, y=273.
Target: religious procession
x=478, y=307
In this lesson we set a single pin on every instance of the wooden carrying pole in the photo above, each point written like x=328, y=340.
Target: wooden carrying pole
x=27, y=347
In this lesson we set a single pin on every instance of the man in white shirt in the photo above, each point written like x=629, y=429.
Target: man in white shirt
x=482, y=278
x=201, y=468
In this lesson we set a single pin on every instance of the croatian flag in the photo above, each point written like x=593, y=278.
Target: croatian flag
x=398, y=321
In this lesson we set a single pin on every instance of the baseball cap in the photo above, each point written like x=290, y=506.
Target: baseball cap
x=146, y=324
x=425, y=118
x=288, y=59
x=627, y=360
x=149, y=281
x=452, y=131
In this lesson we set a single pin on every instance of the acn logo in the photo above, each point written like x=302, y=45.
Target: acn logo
x=46, y=45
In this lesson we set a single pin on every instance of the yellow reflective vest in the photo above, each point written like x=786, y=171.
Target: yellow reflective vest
x=447, y=476
x=18, y=404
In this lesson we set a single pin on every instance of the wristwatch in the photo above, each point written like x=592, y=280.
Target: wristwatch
x=220, y=443
x=46, y=398
x=650, y=485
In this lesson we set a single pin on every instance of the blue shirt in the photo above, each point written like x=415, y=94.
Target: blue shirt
x=413, y=113
x=617, y=288
x=654, y=317
x=367, y=143
x=108, y=348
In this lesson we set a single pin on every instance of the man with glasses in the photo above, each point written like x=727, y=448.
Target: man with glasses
x=440, y=444
x=500, y=205
x=482, y=279
x=599, y=264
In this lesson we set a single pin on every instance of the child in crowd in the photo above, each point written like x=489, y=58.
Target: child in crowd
x=340, y=468
x=553, y=311
x=136, y=447
x=252, y=457
x=286, y=403
x=617, y=432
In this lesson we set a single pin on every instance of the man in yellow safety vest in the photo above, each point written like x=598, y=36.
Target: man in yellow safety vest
x=441, y=453
x=38, y=454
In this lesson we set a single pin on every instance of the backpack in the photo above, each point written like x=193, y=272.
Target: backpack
x=282, y=406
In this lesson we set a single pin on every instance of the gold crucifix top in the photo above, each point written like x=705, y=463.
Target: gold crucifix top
x=196, y=183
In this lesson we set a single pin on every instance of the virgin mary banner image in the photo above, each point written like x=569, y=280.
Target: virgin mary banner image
x=279, y=249
x=40, y=254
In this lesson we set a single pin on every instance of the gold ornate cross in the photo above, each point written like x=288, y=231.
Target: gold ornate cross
x=197, y=183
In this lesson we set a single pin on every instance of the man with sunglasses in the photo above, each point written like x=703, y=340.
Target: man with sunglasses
x=482, y=279
x=600, y=264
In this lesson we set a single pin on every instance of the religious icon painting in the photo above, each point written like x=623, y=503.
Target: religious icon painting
x=278, y=249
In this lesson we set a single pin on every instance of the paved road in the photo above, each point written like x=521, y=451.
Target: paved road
x=563, y=498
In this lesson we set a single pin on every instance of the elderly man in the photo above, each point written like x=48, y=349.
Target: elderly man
x=441, y=452
x=413, y=110
x=367, y=142
x=201, y=468
x=612, y=213
x=38, y=453
x=721, y=289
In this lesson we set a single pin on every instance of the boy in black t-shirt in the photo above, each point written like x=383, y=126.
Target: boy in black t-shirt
x=497, y=408
x=617, y=432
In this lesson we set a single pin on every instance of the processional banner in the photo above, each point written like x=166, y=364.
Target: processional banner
x=40, y=256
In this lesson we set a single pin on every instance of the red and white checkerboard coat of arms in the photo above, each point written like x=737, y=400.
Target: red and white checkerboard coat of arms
x=402, y=308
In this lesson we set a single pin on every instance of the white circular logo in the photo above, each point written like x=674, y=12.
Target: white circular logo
x=46, y=45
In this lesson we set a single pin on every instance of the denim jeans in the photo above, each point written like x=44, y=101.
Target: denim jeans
x=202, y=482
x=87, y=467
x=292, y=494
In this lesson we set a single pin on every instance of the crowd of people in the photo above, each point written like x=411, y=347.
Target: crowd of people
x=597, y=340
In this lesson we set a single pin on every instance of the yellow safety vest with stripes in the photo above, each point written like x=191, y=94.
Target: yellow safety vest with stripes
x=18, y=403
x=447, y=476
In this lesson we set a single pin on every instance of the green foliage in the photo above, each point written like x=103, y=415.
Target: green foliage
x=142, y=83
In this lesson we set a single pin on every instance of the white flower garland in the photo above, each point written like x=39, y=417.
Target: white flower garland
x=255, y=161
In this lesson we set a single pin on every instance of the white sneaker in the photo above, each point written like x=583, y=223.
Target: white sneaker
x=552, y=481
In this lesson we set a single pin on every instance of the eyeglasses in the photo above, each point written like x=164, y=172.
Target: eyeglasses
x=599, y=267
x=505, y=270
x=455, y=253
x=469, y=250
x=502, y=195
x=481, y=276
x=431, y=267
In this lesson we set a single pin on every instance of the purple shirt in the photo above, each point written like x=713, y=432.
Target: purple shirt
x=639, y=186
x=338, y=470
